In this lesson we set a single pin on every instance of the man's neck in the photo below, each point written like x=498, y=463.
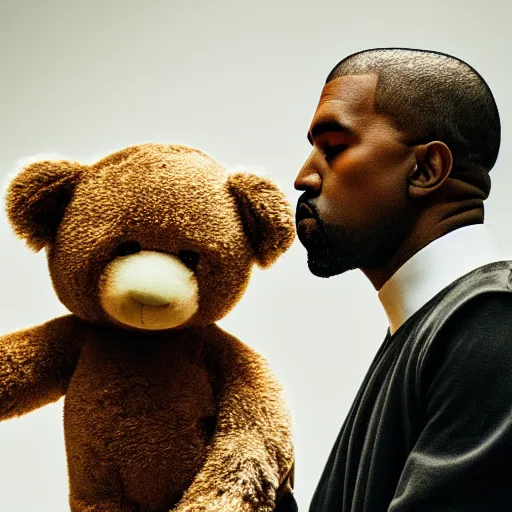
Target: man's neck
x=455, y=205
x=426, y=231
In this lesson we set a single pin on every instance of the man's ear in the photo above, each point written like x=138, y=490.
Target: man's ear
x=433, y=165
x=266, y=216
x=37, y=198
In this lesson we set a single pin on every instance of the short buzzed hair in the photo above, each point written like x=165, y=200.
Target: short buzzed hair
x=434, y=96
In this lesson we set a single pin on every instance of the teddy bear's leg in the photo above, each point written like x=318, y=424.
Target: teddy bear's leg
x=94, y=482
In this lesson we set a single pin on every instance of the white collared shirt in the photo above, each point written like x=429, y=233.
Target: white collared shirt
x=433, y=268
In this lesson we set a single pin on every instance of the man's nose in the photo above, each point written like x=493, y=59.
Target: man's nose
x=308, y=179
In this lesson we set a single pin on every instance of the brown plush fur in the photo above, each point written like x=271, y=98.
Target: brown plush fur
x=190, y=417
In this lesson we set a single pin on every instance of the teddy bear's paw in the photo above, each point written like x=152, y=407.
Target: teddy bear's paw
x=224, y=507
x=242, y=483
x=227, y=502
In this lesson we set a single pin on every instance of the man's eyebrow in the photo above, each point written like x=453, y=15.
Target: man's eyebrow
x=327, y=126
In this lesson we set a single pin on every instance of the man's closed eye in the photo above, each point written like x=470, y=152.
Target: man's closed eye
x=331, y=152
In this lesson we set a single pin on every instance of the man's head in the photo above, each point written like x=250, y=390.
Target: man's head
x=397, y=135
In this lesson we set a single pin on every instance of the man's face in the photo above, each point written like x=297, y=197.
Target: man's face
x=355, y=211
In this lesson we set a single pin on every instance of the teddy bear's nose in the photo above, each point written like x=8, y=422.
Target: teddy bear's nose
x=150, y=298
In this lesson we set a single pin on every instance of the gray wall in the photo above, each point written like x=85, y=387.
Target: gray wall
x=240, y=80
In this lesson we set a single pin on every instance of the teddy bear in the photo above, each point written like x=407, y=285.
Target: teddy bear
x=148, y=248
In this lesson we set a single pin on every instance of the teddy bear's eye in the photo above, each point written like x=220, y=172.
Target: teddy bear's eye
x=189, y=258
x=127, y=248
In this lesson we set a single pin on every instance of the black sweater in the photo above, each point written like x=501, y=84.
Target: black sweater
x=431, y=427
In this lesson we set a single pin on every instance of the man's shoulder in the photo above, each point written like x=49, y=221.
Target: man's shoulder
x=486, y=287
x=474, y=344
x=494, y=278
x=483, y=311
x=486, y=292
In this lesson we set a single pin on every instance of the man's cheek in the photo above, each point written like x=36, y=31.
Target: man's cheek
x=338, y=210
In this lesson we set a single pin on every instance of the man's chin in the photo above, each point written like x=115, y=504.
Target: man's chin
x=320, y=267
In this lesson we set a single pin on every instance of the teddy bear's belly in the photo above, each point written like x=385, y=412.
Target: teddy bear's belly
x=135, y=423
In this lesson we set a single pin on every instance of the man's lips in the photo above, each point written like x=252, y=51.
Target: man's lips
x=306, y=221
x=304, y=212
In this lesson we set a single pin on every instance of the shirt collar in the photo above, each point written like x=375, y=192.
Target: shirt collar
x=433, y=268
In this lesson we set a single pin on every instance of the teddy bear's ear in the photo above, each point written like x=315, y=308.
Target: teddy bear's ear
x=37, y=197
x=266, y=216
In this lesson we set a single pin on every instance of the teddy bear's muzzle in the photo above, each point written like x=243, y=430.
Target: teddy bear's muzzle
x=149, y=290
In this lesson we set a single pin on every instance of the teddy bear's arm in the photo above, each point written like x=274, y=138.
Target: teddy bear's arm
x=251, y=452
x=36, y=364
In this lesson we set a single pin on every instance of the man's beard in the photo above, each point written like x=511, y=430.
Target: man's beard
x=335, y=250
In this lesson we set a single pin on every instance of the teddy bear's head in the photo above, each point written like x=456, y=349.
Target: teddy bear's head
x=151, y=237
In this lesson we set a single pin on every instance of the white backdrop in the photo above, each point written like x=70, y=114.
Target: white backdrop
x=240, y=80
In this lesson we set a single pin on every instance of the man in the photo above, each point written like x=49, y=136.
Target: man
x=403, y=141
